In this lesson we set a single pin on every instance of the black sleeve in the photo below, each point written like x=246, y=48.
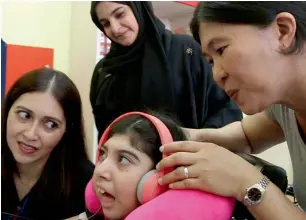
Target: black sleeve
x=214, y=107
x=94, y=84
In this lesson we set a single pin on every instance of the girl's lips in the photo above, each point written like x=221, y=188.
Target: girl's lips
x=101, y=190
x=107, y=200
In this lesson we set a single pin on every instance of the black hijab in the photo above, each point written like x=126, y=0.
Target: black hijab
x=142, y=68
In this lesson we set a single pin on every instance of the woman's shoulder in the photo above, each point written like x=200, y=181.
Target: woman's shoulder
x=185, y=45
x=185, y=40
x=187, y=49
x=98, y=68
x=279, y=111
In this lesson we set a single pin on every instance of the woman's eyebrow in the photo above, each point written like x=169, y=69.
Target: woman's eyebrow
x=59, y=121
x=113, y=12
x=211, y=43
x=215, y=40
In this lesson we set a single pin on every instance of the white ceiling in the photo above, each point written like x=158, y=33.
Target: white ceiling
x=171, y=10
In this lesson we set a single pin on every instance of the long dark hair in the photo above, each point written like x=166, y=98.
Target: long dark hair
x=260, y=14
x=66, y=159
x=143, y=134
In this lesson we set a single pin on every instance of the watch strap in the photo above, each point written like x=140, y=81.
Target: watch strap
x=264, y=182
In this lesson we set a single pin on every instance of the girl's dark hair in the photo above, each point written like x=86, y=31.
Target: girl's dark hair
x=260, y=14
x=66, y=160
x=143, y=134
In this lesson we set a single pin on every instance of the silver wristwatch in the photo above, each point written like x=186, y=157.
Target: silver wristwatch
x=254, y=193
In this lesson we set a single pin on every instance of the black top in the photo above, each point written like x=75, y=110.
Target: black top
x=160, y=71
x=41, y=205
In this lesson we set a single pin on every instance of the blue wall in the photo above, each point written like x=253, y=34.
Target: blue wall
x=3, y=68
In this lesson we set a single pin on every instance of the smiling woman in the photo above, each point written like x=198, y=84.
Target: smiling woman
x=149, y=67
x=44, y=161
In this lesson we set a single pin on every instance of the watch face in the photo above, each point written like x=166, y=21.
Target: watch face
x=254, y=194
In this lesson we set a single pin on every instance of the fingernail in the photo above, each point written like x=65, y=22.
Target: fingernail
x=171, y=185
x=157, y=166
x=160, y=181
x=161, y=148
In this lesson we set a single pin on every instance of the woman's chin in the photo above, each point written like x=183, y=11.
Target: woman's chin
x=250, y=108
x=127, y=42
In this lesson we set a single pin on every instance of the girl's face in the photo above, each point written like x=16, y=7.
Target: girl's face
x=117, y=174
x=35, y=125
x=118, y=21
x=248, y=62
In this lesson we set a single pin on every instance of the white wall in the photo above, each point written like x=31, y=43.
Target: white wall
x=42, y=24
x=83, y=59
x=280, y=156
x=182, y=21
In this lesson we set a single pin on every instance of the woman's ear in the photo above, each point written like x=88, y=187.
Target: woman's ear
x=286, y=28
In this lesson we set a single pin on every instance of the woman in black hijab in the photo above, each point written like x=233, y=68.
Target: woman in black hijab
x=148, y=67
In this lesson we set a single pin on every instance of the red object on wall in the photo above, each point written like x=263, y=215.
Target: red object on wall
x=190, y=3
x=22, y=59
x=105, y=45
x=179, y=30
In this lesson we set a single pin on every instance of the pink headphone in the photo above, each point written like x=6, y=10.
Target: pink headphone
x=148, y=187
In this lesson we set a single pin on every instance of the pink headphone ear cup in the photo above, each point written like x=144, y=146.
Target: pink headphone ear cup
x=148, y=188
x=92, y=201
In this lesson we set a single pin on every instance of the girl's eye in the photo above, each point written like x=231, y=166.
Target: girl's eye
x=123, y=160
x=102, y=155
x=221, y=50
x=24, y=115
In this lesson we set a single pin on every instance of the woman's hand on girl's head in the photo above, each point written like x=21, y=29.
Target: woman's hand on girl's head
x=211, y=168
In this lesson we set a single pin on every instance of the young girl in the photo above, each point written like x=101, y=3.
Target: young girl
x=125, y=174
x=131, y=151
x=44, y=163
